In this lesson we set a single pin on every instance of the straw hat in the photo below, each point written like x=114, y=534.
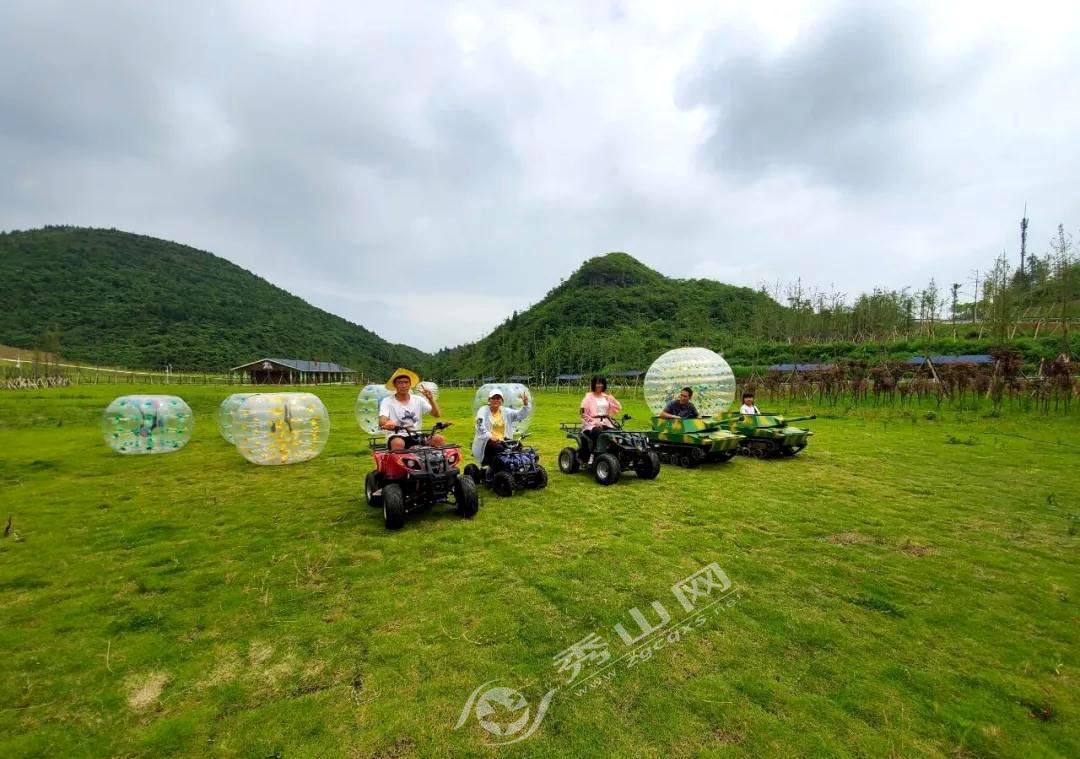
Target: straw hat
x=414, y=378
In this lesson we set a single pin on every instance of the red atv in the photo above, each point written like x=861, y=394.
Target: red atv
x=417, y=477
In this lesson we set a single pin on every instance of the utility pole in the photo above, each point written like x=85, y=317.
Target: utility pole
x=975, y=303
x=1023, y=241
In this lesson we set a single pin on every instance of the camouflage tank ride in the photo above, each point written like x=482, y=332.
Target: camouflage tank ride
x=691, y=442
x=768, y=435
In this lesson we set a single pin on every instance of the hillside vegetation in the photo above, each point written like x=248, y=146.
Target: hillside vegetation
x=122, y=299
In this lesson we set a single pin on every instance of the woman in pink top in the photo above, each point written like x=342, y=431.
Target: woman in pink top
x=597, y=409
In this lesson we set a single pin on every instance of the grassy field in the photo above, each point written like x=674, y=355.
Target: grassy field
x=907, y=586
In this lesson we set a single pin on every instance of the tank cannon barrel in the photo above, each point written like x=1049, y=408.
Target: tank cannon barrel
x=789, y=419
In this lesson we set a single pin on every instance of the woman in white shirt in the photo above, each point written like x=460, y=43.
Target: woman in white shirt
x=748, y=406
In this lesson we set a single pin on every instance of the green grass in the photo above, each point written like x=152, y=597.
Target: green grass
x=907, y=587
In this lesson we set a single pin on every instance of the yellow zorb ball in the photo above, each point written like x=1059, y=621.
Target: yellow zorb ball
x=147, y=424
x=281, y=428
x=704, y=372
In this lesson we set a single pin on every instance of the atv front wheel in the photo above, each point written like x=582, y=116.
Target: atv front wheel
x=568, y=461
x=607, y=470
x=371, y=484
x=648, y=467
x=503, y=484
x=473, y=471
x=468, y=500
x=541, y=478
x=393, y=507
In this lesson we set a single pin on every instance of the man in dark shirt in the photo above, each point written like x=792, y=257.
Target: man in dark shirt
x=680, y=407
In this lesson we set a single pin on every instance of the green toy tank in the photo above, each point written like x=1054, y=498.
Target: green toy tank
x=690, y=442
x=768, y=435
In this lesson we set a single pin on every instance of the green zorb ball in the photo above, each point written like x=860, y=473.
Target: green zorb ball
x=705, y=372
x=367, y=407
x=226, y=415
x=134, y=424
x=512, y=394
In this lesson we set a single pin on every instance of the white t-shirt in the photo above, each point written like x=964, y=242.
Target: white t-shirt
x=409, y=414
x=602, y=406
x=749, y=409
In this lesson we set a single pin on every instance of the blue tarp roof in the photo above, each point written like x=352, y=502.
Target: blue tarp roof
x=631, y=373
x=489, y=379
x=973, y=358
x=520, y=377
x=800, y=367
x=570, y=376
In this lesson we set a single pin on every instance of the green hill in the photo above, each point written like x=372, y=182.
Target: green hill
x=121, y=299
x=613, y=312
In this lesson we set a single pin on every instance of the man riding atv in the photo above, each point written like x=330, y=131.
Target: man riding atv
x=402, y=415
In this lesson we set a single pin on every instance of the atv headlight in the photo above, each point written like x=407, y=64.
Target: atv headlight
x=411, y=462
x=452, y=457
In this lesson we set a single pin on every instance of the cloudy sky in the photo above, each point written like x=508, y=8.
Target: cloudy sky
x=426, y=168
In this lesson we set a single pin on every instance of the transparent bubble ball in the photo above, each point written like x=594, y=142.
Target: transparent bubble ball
x=367, y=407
x=512, y=393
x=281, y=428
x=134, y=424
x=427, y=385
x=226, y=413
x=707, y=373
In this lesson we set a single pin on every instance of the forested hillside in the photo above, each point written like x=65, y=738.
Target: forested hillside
x=120, y=299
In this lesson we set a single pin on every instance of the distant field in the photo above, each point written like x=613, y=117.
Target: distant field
x=907, y=586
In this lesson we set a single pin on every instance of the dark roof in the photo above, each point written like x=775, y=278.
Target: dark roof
x=631, y=373
x=520, y=377
x=570, y=376
x=972, y=358
x=801, y=367
x=300, y=365
x=489, y=379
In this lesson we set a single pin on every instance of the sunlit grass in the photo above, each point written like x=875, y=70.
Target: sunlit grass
x=908, y=586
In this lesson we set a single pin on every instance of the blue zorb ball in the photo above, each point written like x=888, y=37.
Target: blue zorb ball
x=135, y=424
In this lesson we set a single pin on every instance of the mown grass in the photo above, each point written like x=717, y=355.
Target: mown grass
x=907, y=587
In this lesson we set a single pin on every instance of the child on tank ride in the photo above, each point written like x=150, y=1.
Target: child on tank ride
x=748, y=406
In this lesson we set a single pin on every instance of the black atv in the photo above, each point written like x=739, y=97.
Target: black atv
x=514, y=468
x=417, y=477
x=615, y=450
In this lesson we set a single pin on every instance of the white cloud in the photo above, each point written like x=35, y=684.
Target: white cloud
x=487, y=148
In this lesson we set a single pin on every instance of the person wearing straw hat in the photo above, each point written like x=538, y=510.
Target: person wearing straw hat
x=405, y=411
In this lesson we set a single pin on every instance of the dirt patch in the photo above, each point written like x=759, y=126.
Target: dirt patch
x=403, y=746
x=226, y=668
x=726, y=737
x=914, y=549
x=145, y=690
x=260, y=653
x=850, y=538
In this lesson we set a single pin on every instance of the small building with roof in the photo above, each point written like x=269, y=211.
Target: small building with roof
x=294, y=371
